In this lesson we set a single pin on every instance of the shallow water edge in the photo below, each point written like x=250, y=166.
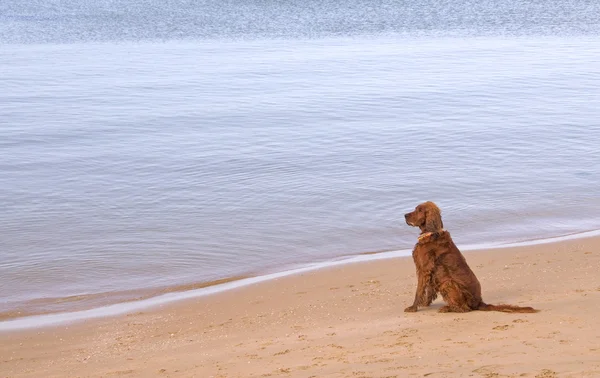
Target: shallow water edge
x=55, y=319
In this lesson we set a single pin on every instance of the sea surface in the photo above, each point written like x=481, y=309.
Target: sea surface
x=156, y=146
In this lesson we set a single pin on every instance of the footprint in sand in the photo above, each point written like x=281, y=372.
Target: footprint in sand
x=486, y=372
x=546, y=373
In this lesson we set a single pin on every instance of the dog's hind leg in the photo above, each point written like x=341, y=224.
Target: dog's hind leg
x=454, y=309
x=456, y=297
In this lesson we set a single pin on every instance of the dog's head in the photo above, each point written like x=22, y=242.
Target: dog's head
x=427, y=216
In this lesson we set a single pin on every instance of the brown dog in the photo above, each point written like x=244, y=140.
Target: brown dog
x=441, y=268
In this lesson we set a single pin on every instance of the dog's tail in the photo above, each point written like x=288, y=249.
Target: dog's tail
x=506, y=308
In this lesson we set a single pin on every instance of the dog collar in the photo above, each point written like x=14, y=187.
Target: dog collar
x=427, y=234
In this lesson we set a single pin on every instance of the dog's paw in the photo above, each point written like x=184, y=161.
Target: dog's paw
x=411, y=309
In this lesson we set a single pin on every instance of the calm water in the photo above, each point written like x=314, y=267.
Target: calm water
x=149, y=145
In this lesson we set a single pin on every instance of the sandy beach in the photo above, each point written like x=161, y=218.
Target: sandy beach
x=346, y=321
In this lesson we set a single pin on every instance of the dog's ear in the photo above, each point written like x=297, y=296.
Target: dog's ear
x=433, y=218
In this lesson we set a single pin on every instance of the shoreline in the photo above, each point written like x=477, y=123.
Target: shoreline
x=173, y=295
x=346, y=321
x=42, y=320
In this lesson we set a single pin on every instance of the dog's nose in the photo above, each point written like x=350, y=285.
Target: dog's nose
x=405, y=216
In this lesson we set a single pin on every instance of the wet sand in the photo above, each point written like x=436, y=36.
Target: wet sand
x=346, y=321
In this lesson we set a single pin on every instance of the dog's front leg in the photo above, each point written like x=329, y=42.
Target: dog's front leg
x=430, y=294
x=420, y=293
x=424, y=263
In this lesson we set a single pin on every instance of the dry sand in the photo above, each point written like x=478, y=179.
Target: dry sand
x=346, y=321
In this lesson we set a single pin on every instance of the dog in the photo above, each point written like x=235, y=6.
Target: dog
x=441, y=268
